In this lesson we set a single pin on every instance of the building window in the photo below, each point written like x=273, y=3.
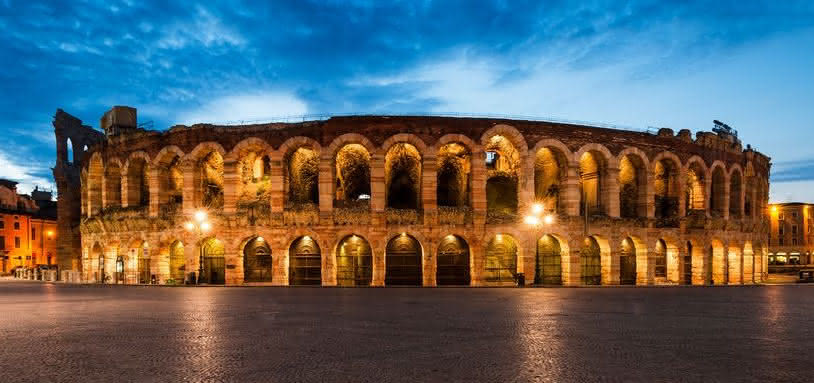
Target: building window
x=33, y=233
x=491, y=159
x=16, y=226
x=780, y=241
x=793, y=229
x=794, y=241
x=794, y=214
x=16, y=242
x=2, y=242
x=780, y=216
x=2, y=224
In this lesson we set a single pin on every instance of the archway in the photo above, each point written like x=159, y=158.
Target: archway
x=549, y=172
x=501, y=259
x=750, y=202
x=352, y=177
x=694, y=190
x=717, y=198
x=302, y=177
x=177, y=262
x=403, y=261
x=688, y=264
x=548, y=270
x=660, y=270
x=354, y=262
x=627, y=262
x=591, y=183
x=632, y=187
x=98, y=256
x=590, y=258
x=138, y=189
x=305, y=266
x=140, y=262
x=257, y=261
x=254, y=177
x=453, y=262
x=170, y=182
x=209, y=185
x=402, y=175
x=735, y=194
x=502, y=166
x=665, y=188
x=453, y=180
x=214, y=262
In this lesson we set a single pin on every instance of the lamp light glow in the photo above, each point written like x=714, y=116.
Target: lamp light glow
x=205, y=226
x=537, y=208
x=548, y=219
x=532, y=220
x=200, y=215
x=189, y=226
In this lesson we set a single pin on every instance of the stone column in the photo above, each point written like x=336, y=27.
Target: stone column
x=429, y=264
x=155, y=191
x=326, y=194
x=707, y=194
x=748, y=267
x=649, y=202
x=645, y=266
x=429, y=189
x=231, y=185
x=476, y=261
x=479, y=188
x=570, y=264
x=571, y=191
x=278, y=183
x=192, y=254
x=526, y=261
x=328, y=272
x=734, y=267
x=525, y=186
x=126, y=191
x=188, y=190
x=682, y=184
x=726, y=198
x=377, y=189
x=379, y=270
x=610, y=192
x=611, y=266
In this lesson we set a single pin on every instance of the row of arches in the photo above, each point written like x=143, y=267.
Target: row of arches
x=590, y=180
x=595, y=262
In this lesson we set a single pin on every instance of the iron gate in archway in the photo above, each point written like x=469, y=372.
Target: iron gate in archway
x=354, y=262
x=548, y=270
x=501, y=260
x=453, y=262
x=627, y=263
x=214, y=263
x=403, y=262
x=257, y=261
x=590, y=258
x=306, y=262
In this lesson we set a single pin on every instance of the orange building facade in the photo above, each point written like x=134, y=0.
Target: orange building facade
x=28, y=230
x=791, y=236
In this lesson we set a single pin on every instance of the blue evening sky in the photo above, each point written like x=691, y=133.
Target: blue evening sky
x=677, y=64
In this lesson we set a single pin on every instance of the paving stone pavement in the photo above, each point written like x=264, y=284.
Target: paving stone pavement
x=66, y=333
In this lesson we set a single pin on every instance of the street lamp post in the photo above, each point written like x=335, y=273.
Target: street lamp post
x=199, y=225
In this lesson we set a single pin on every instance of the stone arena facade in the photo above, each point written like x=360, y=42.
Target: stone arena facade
x=401, y=200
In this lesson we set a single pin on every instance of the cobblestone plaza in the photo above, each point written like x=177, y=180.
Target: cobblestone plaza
x=57, y=332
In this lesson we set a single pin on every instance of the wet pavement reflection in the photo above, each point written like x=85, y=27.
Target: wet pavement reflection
x=116, y=333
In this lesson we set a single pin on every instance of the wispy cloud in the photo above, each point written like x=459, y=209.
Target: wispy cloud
x=28, y=175
x=244, y=107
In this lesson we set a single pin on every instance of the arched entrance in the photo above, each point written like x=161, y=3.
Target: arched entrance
x=354, y=262
x=627, y=262
x=257, y=265
x=501, y=259
x=548, y=270
x=403, y=262
x=140, y=255
x=688, y=264
x=661, y=259
x=453, y=262
x=98, y=256
x=120, y=269
x=305, y=267
x=214, y=263
x=177, y=262
x=590, y=258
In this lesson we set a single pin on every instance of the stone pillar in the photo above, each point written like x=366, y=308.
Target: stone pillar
x=155, y=190
x=377, y=189
x=527, y=262
x=611, y=267
x=645, y=265
x=734, y=266
x=610, y=192
x=234, y=264
x=429, y=264
x=477, y=253
x=231, y=185
x=682, y=184
x=280, y=264
x=326, y=193
x=570, y=264
x=571, y=191
x=379, y=270
x=328, y=272
x=726, y=198
x=188, y=190
x=125, y=191
x=748, y=267
x=479, y=188
x=699, y=265
x=525, y=186
x=278, y=183
x=192, y=254
x=429, y=189
x=707, y=194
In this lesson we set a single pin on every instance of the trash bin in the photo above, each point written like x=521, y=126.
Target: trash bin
x=521, y=279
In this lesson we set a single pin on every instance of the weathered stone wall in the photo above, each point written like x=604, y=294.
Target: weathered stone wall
x=700, y=247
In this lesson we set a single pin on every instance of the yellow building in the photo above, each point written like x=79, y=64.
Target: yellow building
x=791, y=236
x=27, y=228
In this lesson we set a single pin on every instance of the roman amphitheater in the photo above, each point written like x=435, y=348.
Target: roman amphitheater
x=407, y=200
